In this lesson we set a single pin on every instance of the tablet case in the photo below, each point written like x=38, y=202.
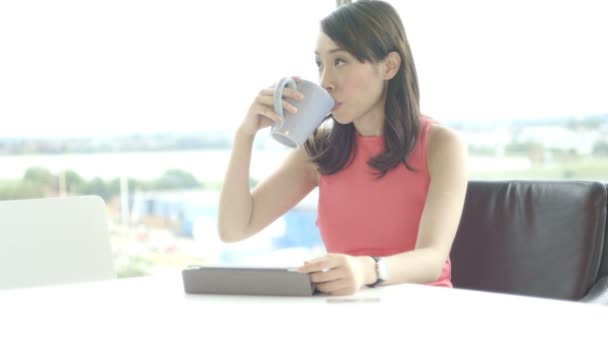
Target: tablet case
x=247, y=281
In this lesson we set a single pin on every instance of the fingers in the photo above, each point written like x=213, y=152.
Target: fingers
x=291, y=108
x=319, y=264
x=269, y=113
x=332, y=274
x=325, y=276
x=343, y=292
x=292, y=93
x=287, y=92
x=261, y=112
x=266, y=98
x=336, y=288
x=269, y=101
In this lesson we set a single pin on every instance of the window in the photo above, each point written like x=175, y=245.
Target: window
x=137, y=102
x=523, y=81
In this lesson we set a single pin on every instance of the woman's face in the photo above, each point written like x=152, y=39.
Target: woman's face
x=357, y=88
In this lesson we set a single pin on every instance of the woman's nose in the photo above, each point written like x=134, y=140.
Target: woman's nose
x=326, y=81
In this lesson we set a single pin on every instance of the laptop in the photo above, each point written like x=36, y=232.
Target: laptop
x=58, y=240
x=250, y=281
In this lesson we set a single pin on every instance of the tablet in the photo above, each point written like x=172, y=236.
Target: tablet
x=250, y=281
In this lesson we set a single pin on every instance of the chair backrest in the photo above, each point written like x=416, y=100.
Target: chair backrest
x=538, y=238
x=604, y=264
x=54, y=240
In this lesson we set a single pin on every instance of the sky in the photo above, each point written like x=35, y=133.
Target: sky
x=85, y=68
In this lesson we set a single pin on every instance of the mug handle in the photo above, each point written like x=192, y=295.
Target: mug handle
x=278, y=93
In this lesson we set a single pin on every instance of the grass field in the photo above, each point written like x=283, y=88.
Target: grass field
x=579, y=169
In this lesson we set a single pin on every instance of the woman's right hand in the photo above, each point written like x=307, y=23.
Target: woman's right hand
x=261, y=113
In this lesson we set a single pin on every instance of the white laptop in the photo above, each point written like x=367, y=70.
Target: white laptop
x=53, y=241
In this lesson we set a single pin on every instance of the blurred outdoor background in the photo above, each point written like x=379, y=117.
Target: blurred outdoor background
x=137, y=102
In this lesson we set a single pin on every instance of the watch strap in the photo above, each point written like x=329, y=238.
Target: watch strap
x=379, y=280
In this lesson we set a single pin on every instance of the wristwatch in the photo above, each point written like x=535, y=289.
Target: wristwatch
x=381, y=272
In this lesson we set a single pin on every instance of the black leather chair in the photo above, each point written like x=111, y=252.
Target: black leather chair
x=537, y=238
x=598, y=294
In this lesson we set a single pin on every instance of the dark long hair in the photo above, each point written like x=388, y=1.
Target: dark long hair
x=370, y=30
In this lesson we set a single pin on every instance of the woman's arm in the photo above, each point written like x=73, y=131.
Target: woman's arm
x=447, y=164
x=243, y=213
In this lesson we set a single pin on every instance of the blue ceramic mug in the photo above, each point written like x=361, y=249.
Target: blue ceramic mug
x=312, y=110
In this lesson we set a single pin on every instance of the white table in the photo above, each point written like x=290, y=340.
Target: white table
x=156, y=309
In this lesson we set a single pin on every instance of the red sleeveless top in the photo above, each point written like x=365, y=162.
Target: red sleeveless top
x=360, y=214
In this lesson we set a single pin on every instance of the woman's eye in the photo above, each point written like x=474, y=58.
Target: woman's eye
x=337, y=62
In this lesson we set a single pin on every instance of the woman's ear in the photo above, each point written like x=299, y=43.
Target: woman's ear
x=392, y=63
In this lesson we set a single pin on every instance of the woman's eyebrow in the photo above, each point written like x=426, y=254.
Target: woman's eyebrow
x=332, y=51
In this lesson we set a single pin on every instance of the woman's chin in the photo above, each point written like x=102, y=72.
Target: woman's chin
x=339, y=119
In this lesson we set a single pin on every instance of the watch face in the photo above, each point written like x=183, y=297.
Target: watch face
x=382, y=269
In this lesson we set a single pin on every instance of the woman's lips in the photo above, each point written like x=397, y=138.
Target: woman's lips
x=338, y=104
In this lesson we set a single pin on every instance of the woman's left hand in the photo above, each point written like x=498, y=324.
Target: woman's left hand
x=337, y=274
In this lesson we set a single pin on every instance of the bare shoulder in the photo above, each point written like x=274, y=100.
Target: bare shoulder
x=441, y=137
x=445, y=148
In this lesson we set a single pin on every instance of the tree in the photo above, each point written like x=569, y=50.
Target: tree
x=97, y=187
x=40, y=176
x=177, y=179
x=73, y=182
x=22, y=190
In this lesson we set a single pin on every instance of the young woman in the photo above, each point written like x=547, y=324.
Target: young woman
x=391, y=181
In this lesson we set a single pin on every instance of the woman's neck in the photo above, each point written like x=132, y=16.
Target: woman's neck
x=371, y=124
